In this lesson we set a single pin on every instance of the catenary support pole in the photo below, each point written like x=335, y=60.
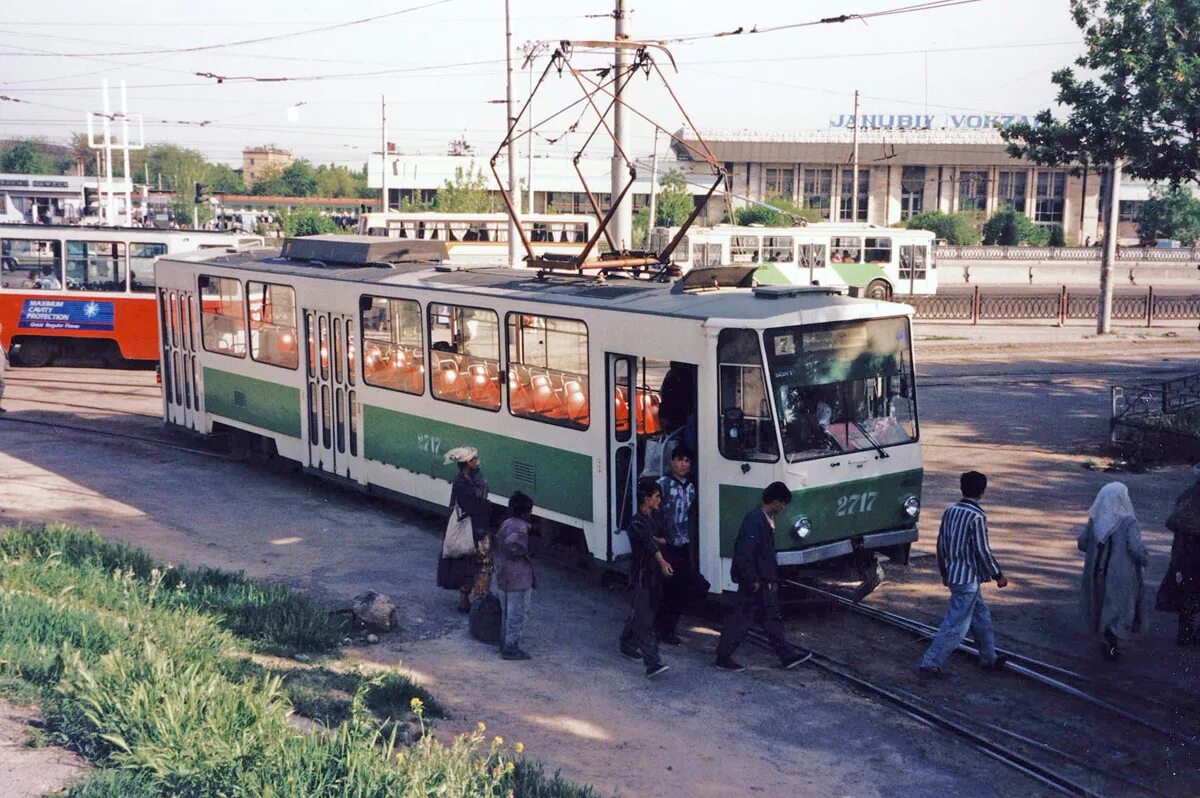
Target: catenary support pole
x=383, y=164
x=854, y=179
x=622, y=220
x=514, y=186
x=653, y=185
x=1109, y=257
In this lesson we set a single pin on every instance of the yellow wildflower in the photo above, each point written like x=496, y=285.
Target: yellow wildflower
x=497, y=741
x=519, y=747
x=481, y=726
x=417, y=705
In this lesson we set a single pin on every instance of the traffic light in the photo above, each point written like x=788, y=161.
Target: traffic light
x=201, y=193
x=91, y=201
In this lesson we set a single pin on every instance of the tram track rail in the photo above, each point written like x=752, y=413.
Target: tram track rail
x=8, y=419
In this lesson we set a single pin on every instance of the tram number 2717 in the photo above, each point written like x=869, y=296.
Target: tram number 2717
x=856, y=503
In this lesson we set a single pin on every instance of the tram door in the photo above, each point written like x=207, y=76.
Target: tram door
x=182, y=390
x=622, y=451
x=334, y=412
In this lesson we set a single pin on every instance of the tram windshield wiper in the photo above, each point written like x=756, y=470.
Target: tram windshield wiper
x=882, y=452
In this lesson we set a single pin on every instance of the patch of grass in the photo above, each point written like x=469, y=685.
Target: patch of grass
x=144, y=670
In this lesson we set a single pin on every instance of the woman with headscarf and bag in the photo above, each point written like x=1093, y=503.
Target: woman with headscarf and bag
x=466, y=551
x=1180, y=589
x=1115, y=557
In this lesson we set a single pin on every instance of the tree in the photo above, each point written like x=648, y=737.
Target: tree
x=789, y=214
x=1009, y=228
x=223, y=179
x=673, y=203
x=24, y=158
x=307, y=222
x=178, y=167
x=1170, y=213
x=338, y=181
x=299, y=179
x=955, y=228
x=466, y=193
x=1131, y=108
x=270, y=182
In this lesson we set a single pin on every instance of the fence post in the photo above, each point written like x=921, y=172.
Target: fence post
x=1149, y=305
x=975, y=306
x=1062, y=307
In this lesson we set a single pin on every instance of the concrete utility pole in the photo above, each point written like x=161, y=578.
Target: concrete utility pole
x=383, y=182
x=653, y=186
x=622, y=220
x=1111, y=218
x=514, y=186
x=854, y=179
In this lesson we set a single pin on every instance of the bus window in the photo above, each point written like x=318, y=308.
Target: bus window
x=879, y=250
x=743, y=249
x=464, y=352
x=393, y=344
x=141, y=266
x=746, y=429
x=96, y=266
x=913, y=262
x=273, y=324
x=845, y=249
x=31, y=264
x=222, y=315
x=812, y=256
x=778, y=249
x=547, y=370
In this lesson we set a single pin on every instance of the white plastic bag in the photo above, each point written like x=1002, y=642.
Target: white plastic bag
x=460, y=535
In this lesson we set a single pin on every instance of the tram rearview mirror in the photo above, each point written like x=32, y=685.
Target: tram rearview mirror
x=364, y=303
x=202, y=281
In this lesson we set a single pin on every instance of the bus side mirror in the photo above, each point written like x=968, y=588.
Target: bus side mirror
x=202, y=281
x=365, y=303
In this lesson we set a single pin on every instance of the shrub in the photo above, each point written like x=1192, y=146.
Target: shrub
x=1010, y=228
x=786, y=216
x=1057, y=237
x=954, y=228
x=307, y=223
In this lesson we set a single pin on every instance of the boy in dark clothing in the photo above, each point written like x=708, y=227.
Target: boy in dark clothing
x=679, y=516
x=647, y=536
x=757, y=575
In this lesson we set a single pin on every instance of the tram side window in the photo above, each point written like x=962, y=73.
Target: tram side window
x=31, y=264
x=778, y=249
x=879, y=250
x=393, y=341
x=743, y=249
x=141, y=266
x=96, y=265
x=222, y=315
x=746, y=427
x=548, y=370
x=464, y=355
x=845, y=249
x=273, y=324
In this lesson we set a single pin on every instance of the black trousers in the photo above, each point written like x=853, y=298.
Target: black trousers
x=679, y=590
x=638, y=634
x=760, y=605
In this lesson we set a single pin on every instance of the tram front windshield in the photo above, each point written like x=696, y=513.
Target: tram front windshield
x=843, y=386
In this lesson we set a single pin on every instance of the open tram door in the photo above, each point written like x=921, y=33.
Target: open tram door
x=183, y=393
x=331, y=399
x=622, y=469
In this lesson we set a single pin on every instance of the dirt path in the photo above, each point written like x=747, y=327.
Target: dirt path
x=31, y=772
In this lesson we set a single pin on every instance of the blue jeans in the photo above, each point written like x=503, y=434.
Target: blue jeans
x=967, y=610
x=514, y=606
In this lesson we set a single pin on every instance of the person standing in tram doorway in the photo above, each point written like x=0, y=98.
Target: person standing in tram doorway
x=469, y=497
x=1111, y=591
x=1180, y=590
x=757, y=577
x=966, y=562
x=679, y=517
x=647, y=537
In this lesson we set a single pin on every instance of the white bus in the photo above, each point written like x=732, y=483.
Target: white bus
x=482, y=238
x=881, y=261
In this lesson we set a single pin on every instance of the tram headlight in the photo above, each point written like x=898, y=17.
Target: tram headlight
x=912, y=506
x=802, y=527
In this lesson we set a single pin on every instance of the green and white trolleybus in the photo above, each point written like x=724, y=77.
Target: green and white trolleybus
x=363, y=361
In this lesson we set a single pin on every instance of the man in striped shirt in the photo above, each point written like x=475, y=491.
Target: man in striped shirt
x=966, y=561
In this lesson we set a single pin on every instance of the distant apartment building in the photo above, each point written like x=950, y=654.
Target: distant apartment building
x=256, y=159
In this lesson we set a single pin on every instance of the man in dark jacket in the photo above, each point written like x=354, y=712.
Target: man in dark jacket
x=647, y=536
x=757, y=576
x=1180, y=590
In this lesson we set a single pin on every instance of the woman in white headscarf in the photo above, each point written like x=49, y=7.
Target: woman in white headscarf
x=1111, y=592
x=468, y=496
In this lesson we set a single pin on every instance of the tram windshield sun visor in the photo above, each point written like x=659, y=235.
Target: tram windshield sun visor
x=842, y=387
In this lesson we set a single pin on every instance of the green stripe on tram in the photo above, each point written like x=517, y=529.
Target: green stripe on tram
x=252, y=401
x=557, y=479
x=835, y=511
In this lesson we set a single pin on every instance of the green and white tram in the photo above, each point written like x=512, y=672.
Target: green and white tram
x=880, y=261
x=336, y=354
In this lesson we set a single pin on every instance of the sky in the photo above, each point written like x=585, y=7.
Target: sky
x=440, y=65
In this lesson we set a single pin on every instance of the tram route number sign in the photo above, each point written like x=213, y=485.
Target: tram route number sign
x=66, y=314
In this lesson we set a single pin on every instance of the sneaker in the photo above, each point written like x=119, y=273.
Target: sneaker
x=514, y=654
x=671, y=639
x=798, y=658
x=630, y=653
x=931, y=673
x=731, y=665
x=997, y=665
x=656, y=670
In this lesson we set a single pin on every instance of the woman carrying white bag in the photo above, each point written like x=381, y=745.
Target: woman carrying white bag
x=466, y=554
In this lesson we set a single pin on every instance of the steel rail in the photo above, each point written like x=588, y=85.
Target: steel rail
x=8, y=419
x=1018, y=663
x=1013, y=759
